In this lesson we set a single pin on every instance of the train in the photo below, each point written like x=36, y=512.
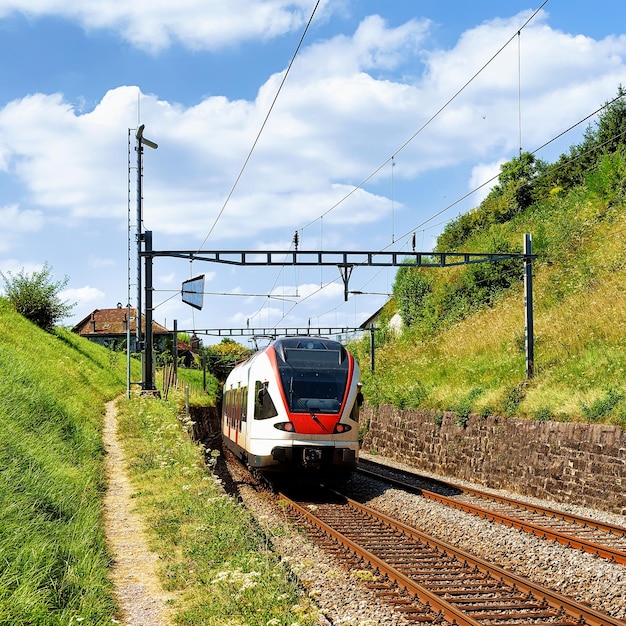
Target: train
x=291, y=411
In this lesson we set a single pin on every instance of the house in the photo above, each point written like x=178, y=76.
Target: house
x=109, y=327
x=395, y=323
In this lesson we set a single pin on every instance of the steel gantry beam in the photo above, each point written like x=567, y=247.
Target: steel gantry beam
x=300, y=331
x=345, y=261
x=338, y=258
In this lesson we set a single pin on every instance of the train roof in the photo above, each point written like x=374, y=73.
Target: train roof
x=307, y=343
x=286, y=346
x=300, y=342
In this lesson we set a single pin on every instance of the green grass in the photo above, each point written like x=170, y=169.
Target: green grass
x=54, y=562
x=478, y=363
x=213, y=553
x=53, y=556
x=195, y=380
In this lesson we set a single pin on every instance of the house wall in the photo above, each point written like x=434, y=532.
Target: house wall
x=582, y=464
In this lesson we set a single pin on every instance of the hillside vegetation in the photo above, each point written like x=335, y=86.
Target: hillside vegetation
x=462, y=347
x=54, y=560
x=53, y=387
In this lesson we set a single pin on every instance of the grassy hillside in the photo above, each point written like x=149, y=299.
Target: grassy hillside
x=53, y=555
x=462, y=348
x=53, y=388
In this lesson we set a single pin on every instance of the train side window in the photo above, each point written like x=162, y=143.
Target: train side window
x=242, y=401
x=263, y=404
x=230, y=402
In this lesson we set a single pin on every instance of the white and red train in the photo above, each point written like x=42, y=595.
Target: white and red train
x=291, y=410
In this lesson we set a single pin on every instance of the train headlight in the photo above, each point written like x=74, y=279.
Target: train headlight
x=288, y=427
x=342, y=428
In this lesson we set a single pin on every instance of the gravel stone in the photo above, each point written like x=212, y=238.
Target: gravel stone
x=344, y=600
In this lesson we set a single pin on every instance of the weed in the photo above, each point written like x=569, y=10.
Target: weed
x=464, y=407
x=602, y=407
x=202, y=540
x=543, y=414
x=514, y=398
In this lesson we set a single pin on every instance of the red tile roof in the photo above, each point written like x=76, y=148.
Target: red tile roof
x=112, y=322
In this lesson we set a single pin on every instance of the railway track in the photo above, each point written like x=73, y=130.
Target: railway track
x=605, y=540
x=430, y=581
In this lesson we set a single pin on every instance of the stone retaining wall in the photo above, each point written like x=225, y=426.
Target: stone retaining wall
x=205, y=422
x=581, y=464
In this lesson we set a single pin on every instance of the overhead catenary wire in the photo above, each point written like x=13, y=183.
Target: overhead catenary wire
x=421, y=226
x=392, y=158
x=429, y=120
x=535, y=151
x=258, y=136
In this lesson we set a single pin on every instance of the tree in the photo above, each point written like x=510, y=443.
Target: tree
x=610, y=133
x=221, y=358
x=410, y=289
x=36, y=297
x=606, y=137
x=517, y=181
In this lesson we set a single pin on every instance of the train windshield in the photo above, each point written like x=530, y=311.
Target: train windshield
x=314, y=376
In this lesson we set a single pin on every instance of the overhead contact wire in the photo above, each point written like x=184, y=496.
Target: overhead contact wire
x=431, y=119
x=247, y=160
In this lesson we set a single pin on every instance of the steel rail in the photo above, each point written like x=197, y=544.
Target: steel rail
x=611, y=529
x=451, y=613
x=564, y=538
x=573, y=608
x=576, y=610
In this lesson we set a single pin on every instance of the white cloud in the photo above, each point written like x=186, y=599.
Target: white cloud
x=84, y=295
x=16, y=222
x=157, y=24
x=561, y=78
x=340, y=116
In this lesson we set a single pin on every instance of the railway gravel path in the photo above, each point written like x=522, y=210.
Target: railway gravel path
x=345, y=601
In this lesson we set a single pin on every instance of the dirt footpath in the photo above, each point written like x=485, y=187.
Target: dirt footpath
x=137, y=588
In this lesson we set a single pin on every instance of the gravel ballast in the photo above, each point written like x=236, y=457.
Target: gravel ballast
x=344, y=600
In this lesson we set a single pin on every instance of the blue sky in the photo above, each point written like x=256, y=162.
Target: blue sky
x=78, y=79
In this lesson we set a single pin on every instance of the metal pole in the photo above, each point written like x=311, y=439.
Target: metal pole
x=148, y=374
x=147, y=361
x=128, y=350
x=528, y=306
x=128, y=274
x=372, y=348
x=139, y=236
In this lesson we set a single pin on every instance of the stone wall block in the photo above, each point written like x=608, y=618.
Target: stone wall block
x=571, y=463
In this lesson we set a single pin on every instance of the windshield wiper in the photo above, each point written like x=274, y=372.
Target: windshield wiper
x=318, y=421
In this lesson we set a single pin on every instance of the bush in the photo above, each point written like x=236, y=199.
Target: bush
x=36, y=297
x=602, y=406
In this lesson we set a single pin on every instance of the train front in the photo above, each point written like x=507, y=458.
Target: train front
x=314, y=400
